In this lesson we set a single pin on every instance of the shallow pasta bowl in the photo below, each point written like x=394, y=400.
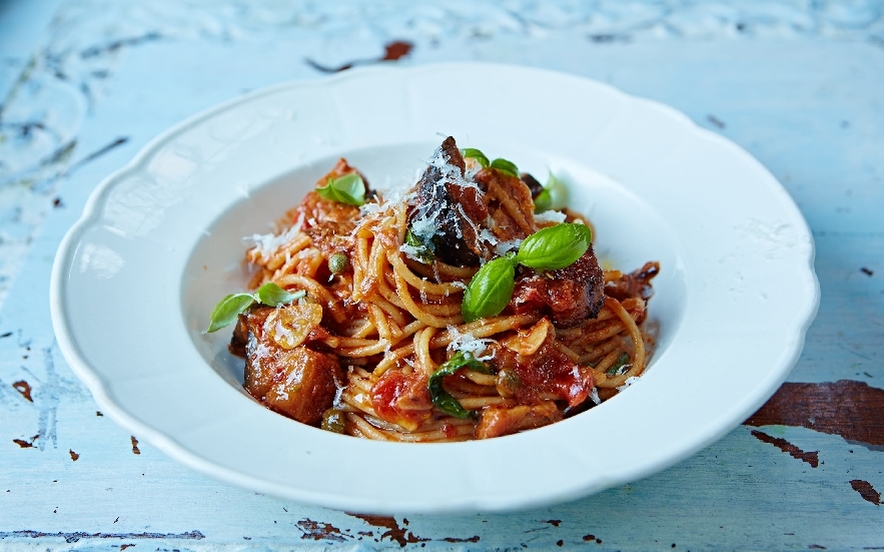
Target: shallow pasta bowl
x=161, y=241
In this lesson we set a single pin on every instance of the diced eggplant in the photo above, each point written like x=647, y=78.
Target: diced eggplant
x=568, y=295
x=448, y=211
x=497, y=421
x=299, y=382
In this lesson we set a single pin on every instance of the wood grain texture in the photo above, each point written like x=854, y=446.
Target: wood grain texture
x=798, y=85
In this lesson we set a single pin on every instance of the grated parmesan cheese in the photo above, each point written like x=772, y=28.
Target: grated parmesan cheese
x=425, y=225
x=505, y=247
x=554, y=217
x=268, y=244
x=468, y=343
x=629, y=381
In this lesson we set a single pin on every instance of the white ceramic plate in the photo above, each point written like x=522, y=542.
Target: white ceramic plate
x=161, y=241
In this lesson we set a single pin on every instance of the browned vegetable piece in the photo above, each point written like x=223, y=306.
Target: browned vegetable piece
x=568, y=295
x=450, y=208
x=533, y=185
x=497, y=421
x=298, y=382
x=317, y=210
x=546, y=373
x=328, y=222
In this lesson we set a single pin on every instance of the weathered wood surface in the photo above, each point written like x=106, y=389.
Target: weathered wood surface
x=84, y=85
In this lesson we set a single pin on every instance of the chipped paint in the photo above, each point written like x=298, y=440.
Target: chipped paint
x=26, y=444
x=24, y=388
x=394, y=531
x=850, y=409
x=393, y=51
x=135, y=449
x=811, y=458
x=865, y=490
x=473, y=539
x=320, y=531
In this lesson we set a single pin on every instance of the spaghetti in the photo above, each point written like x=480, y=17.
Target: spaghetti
x=382, y=345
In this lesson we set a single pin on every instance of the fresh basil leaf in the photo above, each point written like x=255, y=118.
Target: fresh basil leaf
x=422, y=251
x=557, y=192
x=618, y=364
x=442, y=398
x=348, y=189
x=555, y=246
x=543, y=201
x=489, y=290
x=505, y=166
x=272, y=295
x=228, y=309
x=553, y=196
x=473, y=153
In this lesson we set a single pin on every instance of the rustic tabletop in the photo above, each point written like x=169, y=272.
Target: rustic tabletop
x=85, y=84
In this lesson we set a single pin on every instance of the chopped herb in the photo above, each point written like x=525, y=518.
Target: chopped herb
x=421, y=250
x=442, y=398
x=615, y=368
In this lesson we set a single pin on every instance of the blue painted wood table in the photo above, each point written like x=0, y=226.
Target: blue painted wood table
x=800, y=85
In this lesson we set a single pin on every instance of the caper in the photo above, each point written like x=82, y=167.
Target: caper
x=338, y=263
x=333, y=420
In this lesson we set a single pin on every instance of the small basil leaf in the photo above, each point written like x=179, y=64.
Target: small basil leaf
x=349, y=189
x=422, y=251
x=557, y=192
x=473, y=153
x=227, y=309
x=543, y=201
x=489, y=290
x=555, y=246
x=553, y=196
x=618, y=364
x=272, y=295
x=505, y=166
x=440, y=397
